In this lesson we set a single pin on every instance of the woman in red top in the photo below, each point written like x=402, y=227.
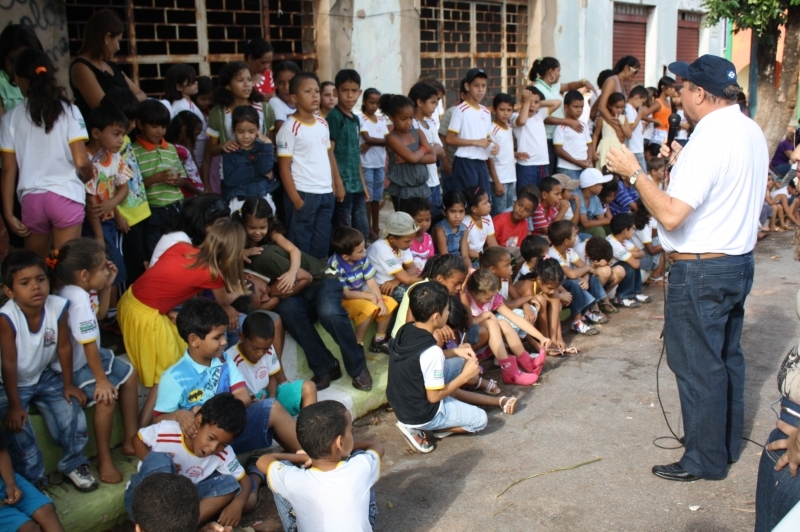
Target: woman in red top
x=258, y=56
x=183, y=271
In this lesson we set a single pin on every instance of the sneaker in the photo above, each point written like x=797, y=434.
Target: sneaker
x=627, y=303
x=581, y=327
x=416, y=438
x=641, y=298
x=380, y=346
x=595, y=317
x=83, y=479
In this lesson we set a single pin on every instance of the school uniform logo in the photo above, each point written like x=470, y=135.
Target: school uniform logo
x=261, y=372
x=194, y=472
x=49, y=337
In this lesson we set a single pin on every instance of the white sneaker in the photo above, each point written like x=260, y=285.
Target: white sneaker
x=627, y=303
x=83, y=479
x=641, y=298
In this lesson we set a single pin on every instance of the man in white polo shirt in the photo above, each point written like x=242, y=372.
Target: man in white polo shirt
x=708, y=224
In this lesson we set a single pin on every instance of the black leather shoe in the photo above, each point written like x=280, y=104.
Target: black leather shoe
x=363, y=382
x=336, y=372
x=674, y=472
x=321, y=382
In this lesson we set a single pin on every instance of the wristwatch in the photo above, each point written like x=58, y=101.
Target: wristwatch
x=632, y=178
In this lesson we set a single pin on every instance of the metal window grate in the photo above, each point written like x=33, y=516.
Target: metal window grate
x=205, y=34
x=457, y=36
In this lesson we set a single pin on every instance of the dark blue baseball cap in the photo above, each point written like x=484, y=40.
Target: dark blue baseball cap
x=475, y=73
x=711, y=72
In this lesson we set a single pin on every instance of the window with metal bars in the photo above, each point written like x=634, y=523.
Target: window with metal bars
x=457, y=36
x=205, y=34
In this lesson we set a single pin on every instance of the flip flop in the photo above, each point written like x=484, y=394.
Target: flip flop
x=422, y=445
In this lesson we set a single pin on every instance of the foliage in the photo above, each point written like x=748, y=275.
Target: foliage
x=761, y=16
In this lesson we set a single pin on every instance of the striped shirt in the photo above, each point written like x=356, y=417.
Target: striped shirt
x=156, y=158
x=622, y=201
x=352, y=276
x=542, y=219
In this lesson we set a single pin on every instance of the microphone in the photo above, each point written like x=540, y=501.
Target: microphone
x=674, y=124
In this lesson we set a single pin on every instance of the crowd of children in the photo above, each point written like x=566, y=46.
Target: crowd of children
x=203, y=244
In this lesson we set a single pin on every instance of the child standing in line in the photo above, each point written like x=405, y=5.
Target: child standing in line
x=469, y=131
x=629, y=293
x=180, y=85
x=448, y=183
x=373, y=156
x=284, y=106
x=480, y=229
x=501, y=165
x=426, y=98
x=327, y=98
x=306, y=164
x=391, y=256
x=575, y=150
x=247, y=171
x=204, y=101
x=408, y=152
x=84, y=270
x=451, y=234
x=161, y=169
x=344, y=127
x=362, y=298
x=511, y=227
x=553, y=208
x=183, y=132
x=683, y=130
x=635, y=112
x=533, y=158
x=422, y=245
x=34, y=333
x=613, y=134
x=51, y=193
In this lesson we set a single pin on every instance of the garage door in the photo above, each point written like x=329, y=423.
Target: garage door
x=630, y=36
x=688, y=36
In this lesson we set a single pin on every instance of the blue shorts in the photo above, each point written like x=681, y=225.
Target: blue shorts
x=12, y=517
x=217, y=485
x=452, y=412
x=374, y=178
x=470, y=174
x=118, y=371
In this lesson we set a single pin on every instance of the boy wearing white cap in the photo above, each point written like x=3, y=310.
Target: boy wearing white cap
x=594, y=218
x=391, y=256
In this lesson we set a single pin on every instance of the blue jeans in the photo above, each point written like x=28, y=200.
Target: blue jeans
x=214, y=486
x=12, y=517
x=435, y=199
x=352, y=212
x=470, y=174
x=777, y=492
x=289, y=519
x=322, y=302
x=704, y=318
x=310, y=227
x=581, y=299
x=506, y=201
x=530, y=175
x=631, y=284
x=374, y=178
x=65, y=421
x=574, y=174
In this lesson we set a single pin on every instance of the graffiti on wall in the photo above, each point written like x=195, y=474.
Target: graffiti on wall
x=47, y=18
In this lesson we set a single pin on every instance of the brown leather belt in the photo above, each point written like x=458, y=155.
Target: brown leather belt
x=694, y=256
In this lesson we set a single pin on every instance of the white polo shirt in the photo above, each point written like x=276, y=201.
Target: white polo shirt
x=722, y=175
x=532, y=139
x=504, y=160
x=307, y=145
x=574, y=143
x=636, y=142
x=471, y=123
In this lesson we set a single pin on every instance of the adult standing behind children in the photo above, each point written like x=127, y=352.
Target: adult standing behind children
x=718, y=177
x=258, y=56
x=92, y=73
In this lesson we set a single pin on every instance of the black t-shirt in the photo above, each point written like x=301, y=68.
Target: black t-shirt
x=405, y=386
x=274, y=262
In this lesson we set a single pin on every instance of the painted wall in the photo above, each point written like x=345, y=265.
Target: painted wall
x=580, y=32
x=49, y=21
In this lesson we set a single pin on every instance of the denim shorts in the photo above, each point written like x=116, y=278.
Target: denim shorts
x=118, y=371
x=13, y=517
x=452, y=412
x=374, y=179
x=257, y=433
x=217, y=485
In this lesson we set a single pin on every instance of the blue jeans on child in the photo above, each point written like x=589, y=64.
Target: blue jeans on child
x=352, y=212
x=289, y=519
x=65, y=421
x=506, y=201
x=214, y=486
x=374, y=178
x=530, y=175
x=631, y=284
x=435, y=199
x=470, y=174
x=583, y=299
x=118, y=371
x=310, y=227
x=257, y=433
x=12, y=517
x=454, y=413
x=573, y=174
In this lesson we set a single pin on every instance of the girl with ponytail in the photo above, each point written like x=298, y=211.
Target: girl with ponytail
x=44, y=139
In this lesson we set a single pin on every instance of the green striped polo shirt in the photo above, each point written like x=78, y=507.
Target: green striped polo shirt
x=154, y=158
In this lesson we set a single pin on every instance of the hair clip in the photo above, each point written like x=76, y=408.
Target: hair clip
x=40, y=70
x=51, y=263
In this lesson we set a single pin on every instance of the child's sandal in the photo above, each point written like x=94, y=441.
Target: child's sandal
x=508, y=407
x=491, y=387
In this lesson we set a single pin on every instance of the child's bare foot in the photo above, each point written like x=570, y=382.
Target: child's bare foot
x=128, y=450
x=109, y=474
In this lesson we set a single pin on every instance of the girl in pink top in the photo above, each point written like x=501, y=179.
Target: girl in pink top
x=422, y=244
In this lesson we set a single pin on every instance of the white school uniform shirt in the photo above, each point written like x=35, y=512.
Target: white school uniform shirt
x=257, y=375
x=622, y=250
x=636, y=142
x=532, y=138
x=386, y=261
x=375, y=157
x=183, y=104
x=504, y=160
x=281, y=109
x=476, y=237
x=167, y=437
x=329, y=501
x=471, y=123
x=565, y=262
x=35, y=349
x=45, y=159
x=722, y=177
x=784, y=191
x=574, y=143
x=431, y=133
x=644, y=236
x=649, y=128
x=682, y=134
x=307, y=145
x=82, y=321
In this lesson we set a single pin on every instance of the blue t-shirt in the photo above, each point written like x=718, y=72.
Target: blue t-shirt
x=622, y=201
x=594, y=209
x=187, y=384
x=352, y=276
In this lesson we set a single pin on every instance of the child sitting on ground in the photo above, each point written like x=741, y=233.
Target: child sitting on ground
x=598, y=253
x=424, y=382
x=552, y=208
x=629, y=293
x=391, y=257
x=657, y=170
x=645, y=238
x=422, y=244
x=594, y=218
x=168, y=503
x=362, y=298
x=205, y=457
x=511, y=227
x=337, y=491
x=544, y=282
x=480, y=229
x=450, y=234
x=34, y=333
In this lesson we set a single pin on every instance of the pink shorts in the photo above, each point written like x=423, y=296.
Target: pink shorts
x=45, y=211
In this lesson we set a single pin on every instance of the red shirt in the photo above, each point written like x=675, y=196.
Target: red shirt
x=508, y=233
x=542, y=219
x=171, y=281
